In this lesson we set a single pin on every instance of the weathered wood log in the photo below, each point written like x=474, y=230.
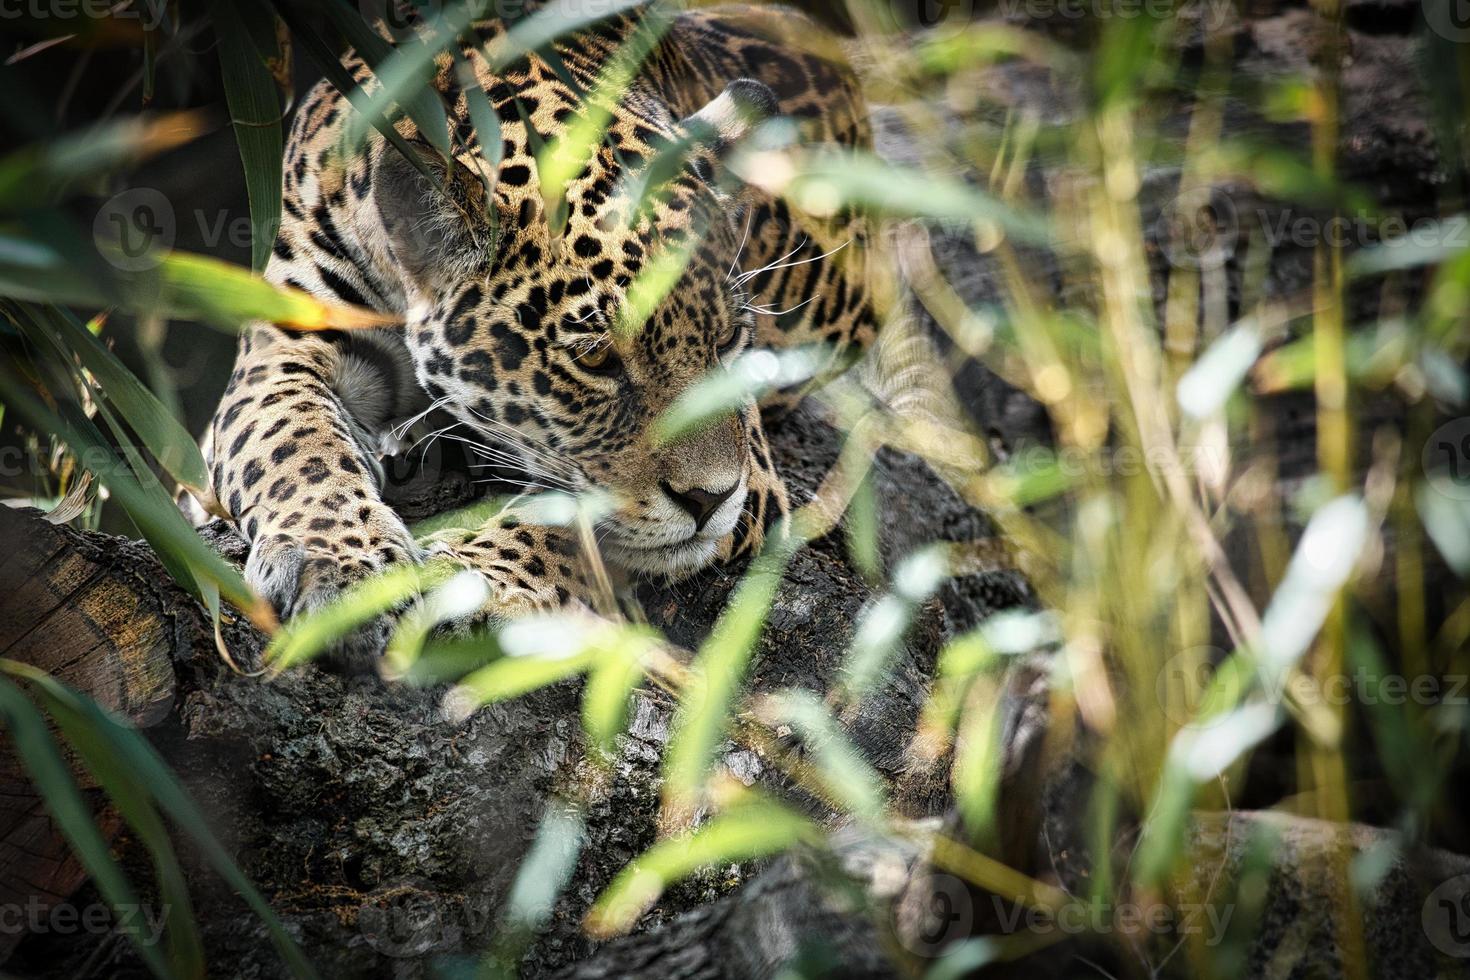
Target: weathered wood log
x=342, y=797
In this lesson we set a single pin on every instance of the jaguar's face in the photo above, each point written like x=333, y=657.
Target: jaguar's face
x=562, y=351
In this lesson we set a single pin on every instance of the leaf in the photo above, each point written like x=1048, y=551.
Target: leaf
x=609, y=686
x=168, y=441
x=175, y=802
x=717, y=672
x=540, y=651
x=1205, y=387
x=846, y=778
x=307, y=635
x=544, y=872
x=727, y=389
x=182, y=286
x=250, y=90
x=824, y=181
x=160, y=522
x=36, y=174
x=48, y=770
x=402, y=73
x=882, y=623
x=132, y=798
x=327, y=62
x=753, y=830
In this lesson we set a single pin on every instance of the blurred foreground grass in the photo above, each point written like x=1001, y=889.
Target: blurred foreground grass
x=1200, y=607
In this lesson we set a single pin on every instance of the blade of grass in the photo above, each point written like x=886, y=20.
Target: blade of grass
x=175, y=802
x=48, y=770
x=250, y=91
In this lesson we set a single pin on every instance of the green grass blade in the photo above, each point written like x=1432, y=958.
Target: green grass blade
x=132, y=799
x=718, y=670
x=48, y=770
x=255, y=111
x=175, y=802
x=168, y=441
x=754, y=830
x=156, y=516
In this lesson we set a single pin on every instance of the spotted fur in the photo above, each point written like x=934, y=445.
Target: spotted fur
x=512, y=321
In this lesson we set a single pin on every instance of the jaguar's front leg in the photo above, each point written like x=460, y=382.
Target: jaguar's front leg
x=529, y=568
x=289, y=465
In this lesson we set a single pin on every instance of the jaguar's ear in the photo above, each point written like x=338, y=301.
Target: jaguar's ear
x=438, y=235
x=732, y=114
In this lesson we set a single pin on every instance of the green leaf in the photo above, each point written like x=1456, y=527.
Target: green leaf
x=403, y=73
x=180, y=286
x=753, y=830
x=540, y=651
x=882, y=624
x=717, y=673
x=823, y=181
x=255, y=111
x=156, y=516
x=609, y=686
x=310, y=634
x=327, y=62
x=846, y=778
x=133, y=800
x=175, y=802
x=543, y=873
x=32, y=741
x=727, y=389
x=168, y=441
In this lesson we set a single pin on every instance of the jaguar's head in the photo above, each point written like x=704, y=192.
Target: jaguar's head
x=562, y=347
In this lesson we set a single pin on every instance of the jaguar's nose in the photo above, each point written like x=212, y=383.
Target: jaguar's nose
x=698, y=502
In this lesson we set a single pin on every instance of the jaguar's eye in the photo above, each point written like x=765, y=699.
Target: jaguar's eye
x=601, y=359
x=729, y=334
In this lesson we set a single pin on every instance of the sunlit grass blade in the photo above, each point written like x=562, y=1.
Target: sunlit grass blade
x=823, y=181
x=881, y=626
x=653, y=284
x=156, y=516
x=845, y=778
x=543, y=650
x=457, y=598
x=610, y=685
x=32, y=741
x=543, y=873
x=727, y=389
x=170, y=796
x=182, y=286
x=250, y=91
x=569, y=155
x=717, y=672
x=310, y=634
x=168, y=441
x=752, y=830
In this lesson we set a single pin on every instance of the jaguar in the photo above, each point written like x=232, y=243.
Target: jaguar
x=511, y=305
